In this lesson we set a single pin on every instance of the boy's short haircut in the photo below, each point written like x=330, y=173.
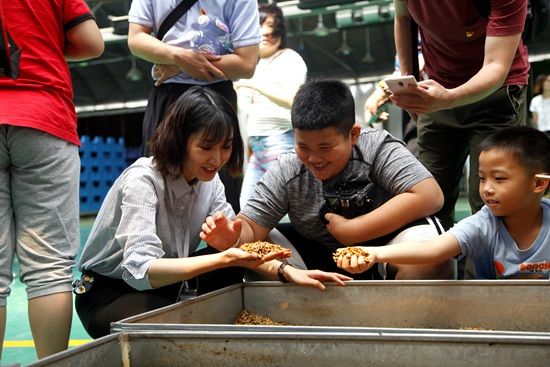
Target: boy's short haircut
x=323, y=103
x=531, y=147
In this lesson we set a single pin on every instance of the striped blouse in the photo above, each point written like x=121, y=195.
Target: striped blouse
x=146, y=216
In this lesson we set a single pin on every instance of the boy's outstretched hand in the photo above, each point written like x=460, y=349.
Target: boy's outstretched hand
x=221, y=232
x=355, y=264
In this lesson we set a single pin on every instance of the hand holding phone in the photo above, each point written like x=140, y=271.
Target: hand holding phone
x=400, y=82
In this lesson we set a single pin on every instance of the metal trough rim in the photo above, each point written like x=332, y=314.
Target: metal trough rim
x=353, y=283
x=338, y=333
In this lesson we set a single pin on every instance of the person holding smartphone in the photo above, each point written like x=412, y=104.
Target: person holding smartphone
x=477, y=71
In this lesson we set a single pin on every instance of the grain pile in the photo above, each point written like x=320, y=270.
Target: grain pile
x=262, y=248
x=249, y=318
x=351, y=250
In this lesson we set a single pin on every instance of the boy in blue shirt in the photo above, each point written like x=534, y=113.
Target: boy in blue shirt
x=509, y=238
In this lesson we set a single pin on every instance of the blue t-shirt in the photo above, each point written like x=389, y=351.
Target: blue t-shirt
x=484, y=238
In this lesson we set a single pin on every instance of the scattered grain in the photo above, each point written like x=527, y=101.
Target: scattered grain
x=249, y=318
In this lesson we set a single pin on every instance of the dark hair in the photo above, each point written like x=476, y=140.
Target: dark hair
x=279, y=29
x=323, y=103
x=539, y=82
x=529, y=146
x=198, y=109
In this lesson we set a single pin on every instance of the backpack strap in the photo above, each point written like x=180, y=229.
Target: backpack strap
x=173, y=17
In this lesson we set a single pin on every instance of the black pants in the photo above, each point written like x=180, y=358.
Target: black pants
x=110, y=300
x=160, y=99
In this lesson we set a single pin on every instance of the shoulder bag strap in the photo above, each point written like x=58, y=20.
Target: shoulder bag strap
x=414, y=49
x=173, y=17
x=10, y=52
x=4, y=53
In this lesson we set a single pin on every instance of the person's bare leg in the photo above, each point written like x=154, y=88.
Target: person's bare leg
x=50, y=318
x=2, y=327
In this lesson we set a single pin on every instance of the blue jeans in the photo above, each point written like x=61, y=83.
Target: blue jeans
x=265, y=151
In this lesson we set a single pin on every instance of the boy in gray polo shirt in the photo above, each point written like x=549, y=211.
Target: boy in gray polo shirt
x=333, y=153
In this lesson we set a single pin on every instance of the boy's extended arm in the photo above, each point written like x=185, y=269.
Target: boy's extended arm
x=432, y=251
x=252, y=231
x=436, y=250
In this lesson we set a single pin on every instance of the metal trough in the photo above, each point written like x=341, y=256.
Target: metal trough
x=490, y=305
x=410, y=323
x=264, y=347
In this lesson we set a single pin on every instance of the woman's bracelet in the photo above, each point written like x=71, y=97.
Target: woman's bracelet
x=281, y=272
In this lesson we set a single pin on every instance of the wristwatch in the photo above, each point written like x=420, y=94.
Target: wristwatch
x=281, y=272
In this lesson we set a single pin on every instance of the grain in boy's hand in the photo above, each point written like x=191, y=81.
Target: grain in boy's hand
x=350, y=251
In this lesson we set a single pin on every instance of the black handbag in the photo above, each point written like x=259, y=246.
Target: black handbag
x=10, y=52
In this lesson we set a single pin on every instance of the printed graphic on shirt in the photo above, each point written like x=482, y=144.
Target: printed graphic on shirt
x=537, y=270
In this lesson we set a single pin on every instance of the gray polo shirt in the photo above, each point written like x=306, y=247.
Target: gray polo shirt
x=288, y=187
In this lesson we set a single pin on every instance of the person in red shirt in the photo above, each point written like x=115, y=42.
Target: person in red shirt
x=477, y=72
x=39, y=162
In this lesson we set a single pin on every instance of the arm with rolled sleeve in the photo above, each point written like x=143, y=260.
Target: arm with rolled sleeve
x=154, y=234
x=137, y=232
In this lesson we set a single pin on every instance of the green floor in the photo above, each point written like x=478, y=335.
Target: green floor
x=18, y=345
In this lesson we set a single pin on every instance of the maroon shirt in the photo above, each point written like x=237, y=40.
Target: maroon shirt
x=453, y=38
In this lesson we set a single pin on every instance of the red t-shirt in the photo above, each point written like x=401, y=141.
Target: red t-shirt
x=42, y=96
x=453, y=37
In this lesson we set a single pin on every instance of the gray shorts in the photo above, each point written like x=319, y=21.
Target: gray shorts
x=39, y=210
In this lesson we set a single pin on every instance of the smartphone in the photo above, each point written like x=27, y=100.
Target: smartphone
x=400, y=82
